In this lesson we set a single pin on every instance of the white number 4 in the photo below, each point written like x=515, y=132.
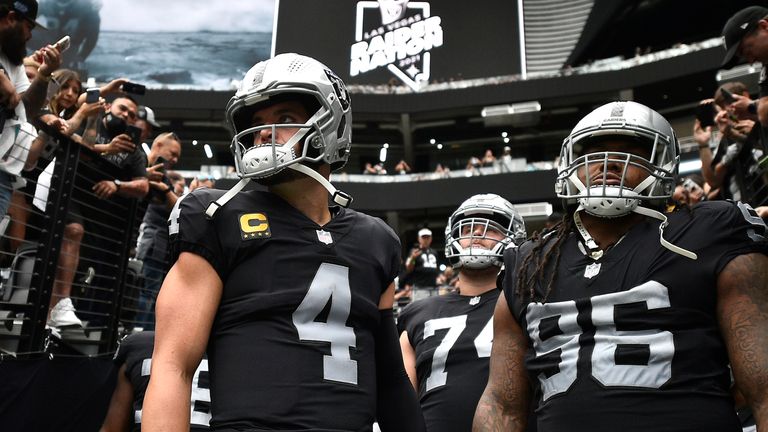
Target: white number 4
x=330, y=282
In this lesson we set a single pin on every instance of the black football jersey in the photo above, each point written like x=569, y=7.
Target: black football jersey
x=451, y=336
x=135, y=351
x=631, y=341
x=292, y=344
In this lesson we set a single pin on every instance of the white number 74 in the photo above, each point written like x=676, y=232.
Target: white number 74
x=455, y=325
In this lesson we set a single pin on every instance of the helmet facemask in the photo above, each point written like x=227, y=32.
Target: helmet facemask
x=607, y=196
x=269, y=158
x=480, y=230
x=610, y=195
x=475, y=233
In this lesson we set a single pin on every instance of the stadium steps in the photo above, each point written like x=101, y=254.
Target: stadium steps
x=552, y=30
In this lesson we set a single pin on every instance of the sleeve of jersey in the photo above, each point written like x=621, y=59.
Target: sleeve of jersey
x=763, y=85
x=394, y=257
x=397, y=406
x=392, y=263
x=20, y=80
x=735, y=229
x=190, y=231
x=507, y=280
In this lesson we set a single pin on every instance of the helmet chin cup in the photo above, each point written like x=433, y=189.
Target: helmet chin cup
x=478, y=258
x=266, y=160
x=609, y=202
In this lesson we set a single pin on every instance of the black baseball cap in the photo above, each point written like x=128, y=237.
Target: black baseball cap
x=739, y=25
x=25, y=8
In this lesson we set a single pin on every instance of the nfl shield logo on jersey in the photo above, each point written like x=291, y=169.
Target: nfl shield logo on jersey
x=592, y=270
x=324, y=237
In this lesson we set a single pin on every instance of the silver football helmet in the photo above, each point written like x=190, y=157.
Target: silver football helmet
x=612, y=197
x=325, y=137
x=608, y=194
x=472, y=222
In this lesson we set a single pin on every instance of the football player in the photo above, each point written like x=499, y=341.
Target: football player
x=134, y=360
x=446, y=340
x=625, y=317
x=285, y=292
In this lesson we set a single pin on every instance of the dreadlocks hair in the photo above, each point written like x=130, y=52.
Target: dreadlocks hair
x=540, y=256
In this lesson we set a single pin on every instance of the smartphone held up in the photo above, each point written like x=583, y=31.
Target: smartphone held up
x=135, y=133
x=92, y=95
x=134, y=88
x=705, y=114
x=63, y=44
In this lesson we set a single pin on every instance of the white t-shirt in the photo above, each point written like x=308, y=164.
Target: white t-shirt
x=17, y=135
x=19, y=79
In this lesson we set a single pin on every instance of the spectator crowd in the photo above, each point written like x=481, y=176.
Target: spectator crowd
x=43, y=105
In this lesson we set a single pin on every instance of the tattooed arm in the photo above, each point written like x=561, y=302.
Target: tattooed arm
x=742, y=308
x=504, y=403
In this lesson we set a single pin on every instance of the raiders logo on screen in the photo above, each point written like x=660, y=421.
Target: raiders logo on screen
x=396, y=35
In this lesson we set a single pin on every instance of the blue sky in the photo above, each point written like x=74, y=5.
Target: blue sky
x=187, y=15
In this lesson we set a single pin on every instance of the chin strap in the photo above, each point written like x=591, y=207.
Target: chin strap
x=657, y=215
x=596, y=253
x=339, y=197
x=215, y=205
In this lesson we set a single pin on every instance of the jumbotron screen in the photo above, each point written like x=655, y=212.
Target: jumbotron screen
x=401, y=42
x=172, y=44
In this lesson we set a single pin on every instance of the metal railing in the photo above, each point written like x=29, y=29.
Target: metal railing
x=38, y=255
